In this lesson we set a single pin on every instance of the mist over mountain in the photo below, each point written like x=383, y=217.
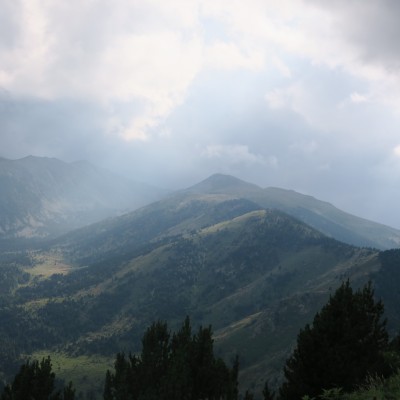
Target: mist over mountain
x=45, y=196
x=321, y=215
x=255, y=263
x=256, y=275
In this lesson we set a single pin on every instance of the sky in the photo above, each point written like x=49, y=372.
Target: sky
x=297, y=94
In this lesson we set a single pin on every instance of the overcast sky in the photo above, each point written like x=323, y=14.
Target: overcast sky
x=299, y=94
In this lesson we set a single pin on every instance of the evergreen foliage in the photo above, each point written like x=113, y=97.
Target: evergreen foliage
x=35, y=380
x=343, y=346
x=267, y=394
x=181, y=366
x=248, y=395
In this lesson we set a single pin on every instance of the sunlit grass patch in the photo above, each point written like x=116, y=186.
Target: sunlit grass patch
x=48, y=264
x=87, y=373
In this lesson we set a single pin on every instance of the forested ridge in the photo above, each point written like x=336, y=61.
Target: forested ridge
x=345, y=348
x=256, y=276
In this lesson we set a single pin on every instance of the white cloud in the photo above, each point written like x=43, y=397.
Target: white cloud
x=234, y=154
x=277, y=98
x=307, y=148
x=159, y=78
x=281, y=67
x=226, y=56
x=57, y=55
x=358, y=98
x=170, y=76
x=152, y=51
x=297, y=98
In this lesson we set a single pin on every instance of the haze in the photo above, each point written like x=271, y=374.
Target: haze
x=297, y=94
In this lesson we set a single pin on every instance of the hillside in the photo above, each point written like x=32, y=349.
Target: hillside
x=43, y=196
x=217, y=198
x=256, y=275
x=321, y=215
x=212, y=252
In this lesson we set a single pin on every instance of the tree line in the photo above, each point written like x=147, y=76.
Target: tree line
x=346, y=343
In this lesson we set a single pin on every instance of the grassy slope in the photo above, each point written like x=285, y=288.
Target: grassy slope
x=87, y=373
x=257, y=278
x=319, y=214
x=377, y=389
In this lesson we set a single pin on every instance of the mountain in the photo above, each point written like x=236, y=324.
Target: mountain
x=214, y=251
x=321, y=215
x=256, y=275
x=45, y=196
x=217, y=198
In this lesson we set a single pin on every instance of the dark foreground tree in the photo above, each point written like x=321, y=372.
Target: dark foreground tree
x=181, y=366
x=267, y=394
x=35, y=380
x=343, y=346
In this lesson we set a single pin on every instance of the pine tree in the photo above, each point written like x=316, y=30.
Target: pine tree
x=154, y=359
x=248, y=396
x=69, y=392
x=179, y=378
x=344, y=344
x=35, y=380
x=179, y=367
x=108, y=385
x=267, y=395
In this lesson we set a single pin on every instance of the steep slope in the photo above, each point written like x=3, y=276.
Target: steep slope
x=161, y=220
x=256, y=275
x=213, y=252
x=321, y=215
x=43, y=196
x=332, y=221
x=202, y=204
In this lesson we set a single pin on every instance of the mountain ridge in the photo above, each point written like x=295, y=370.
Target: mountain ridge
x=244, y=270
x=46, y=196
x=322, y=215
x=256, y=274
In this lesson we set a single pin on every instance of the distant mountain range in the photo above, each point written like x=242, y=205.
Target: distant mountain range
x=321, y=215
x=222, y=251
x=45, y=196
x=256, y=275
x=41, y=197
x=255, y=263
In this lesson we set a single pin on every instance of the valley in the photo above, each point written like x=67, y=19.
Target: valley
x=221, y=252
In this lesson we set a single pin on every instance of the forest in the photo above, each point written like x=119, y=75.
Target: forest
x=344, y=353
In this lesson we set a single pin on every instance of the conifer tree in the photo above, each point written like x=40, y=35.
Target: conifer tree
x=35, y=380
x=154, y=359
x=179, y=367
x=108, y=385
x=267, y=394
x=248, y=395
x=344, y=344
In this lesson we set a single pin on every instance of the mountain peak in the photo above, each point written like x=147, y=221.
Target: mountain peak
x=220, y=183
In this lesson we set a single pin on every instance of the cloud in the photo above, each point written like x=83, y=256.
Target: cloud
x=301, y=94
x=292, y=97
x=226, y=56
x=234, y=154
x=103, y=54
x=358, y=98
x=396, y=151
x=370, y=26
